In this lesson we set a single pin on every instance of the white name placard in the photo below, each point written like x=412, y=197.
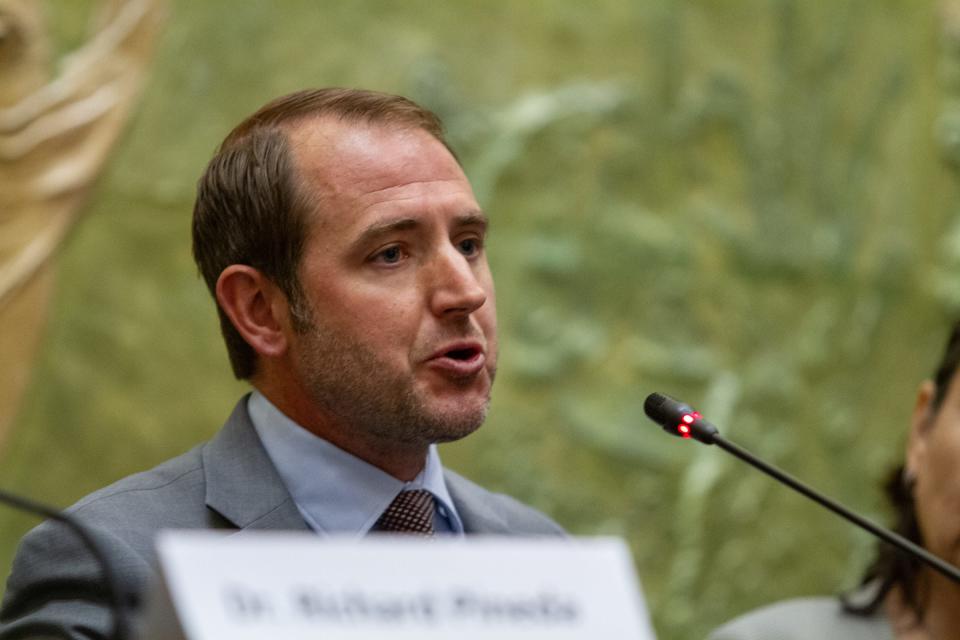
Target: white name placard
x=301, y=586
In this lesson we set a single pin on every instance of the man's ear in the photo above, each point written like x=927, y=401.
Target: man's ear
x=921, y=422
x=256, y=307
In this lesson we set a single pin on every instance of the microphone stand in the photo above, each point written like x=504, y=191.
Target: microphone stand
x=884, y=534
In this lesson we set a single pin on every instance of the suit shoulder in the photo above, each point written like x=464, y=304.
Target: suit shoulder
x=183, y=473
x=818, y=618
x=516, y=517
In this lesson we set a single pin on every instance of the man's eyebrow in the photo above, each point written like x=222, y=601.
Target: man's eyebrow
x=473, y=219
x=386, y=227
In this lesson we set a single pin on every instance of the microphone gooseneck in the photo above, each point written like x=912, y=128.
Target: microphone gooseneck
x=114, y=591
x=680, y=419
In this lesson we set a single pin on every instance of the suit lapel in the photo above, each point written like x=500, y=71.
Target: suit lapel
x=475, y=506
x=242, y=484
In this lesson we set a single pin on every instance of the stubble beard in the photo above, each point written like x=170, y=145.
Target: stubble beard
x=349, y=381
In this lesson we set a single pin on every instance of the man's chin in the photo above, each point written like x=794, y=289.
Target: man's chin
x=454, y=434
x=458, y=421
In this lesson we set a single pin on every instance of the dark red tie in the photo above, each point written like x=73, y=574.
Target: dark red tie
x=410, y=512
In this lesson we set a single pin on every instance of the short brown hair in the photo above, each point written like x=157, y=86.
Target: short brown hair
x=250, y=208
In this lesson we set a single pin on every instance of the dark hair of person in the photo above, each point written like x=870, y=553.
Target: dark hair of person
x=891, y=568
x=251, y=208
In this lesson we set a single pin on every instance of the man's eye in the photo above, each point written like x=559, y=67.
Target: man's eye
x=469, y=246
x=390, y=255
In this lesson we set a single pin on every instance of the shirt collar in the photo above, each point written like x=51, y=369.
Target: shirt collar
x=335, y=491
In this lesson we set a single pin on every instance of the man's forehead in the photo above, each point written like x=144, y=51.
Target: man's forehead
x=358, y=164
x=327, y=142
x=310, y=132
x=333, y=157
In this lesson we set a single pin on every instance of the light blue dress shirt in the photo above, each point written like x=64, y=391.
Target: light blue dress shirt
x=336, y=492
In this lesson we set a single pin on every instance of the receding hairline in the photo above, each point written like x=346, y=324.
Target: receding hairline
x=296, y=130
x=301, y=137
x=343, y=105
x=336, y=123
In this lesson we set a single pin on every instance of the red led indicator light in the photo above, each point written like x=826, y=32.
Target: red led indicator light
x=685, y=422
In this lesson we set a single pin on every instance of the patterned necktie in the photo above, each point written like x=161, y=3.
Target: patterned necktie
x=410, y=512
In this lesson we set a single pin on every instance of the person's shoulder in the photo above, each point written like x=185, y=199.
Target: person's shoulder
x=177, y=486
x=176, y=480
x=128, y=511
x=815, y=618
x=480, y=507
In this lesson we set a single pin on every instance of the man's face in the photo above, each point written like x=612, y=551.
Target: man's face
x=933, y=459
x=400, y=344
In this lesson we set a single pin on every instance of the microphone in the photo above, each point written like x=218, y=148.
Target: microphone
x=680, y=419
x=114, y=590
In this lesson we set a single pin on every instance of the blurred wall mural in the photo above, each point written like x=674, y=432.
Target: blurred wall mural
x=56, y=131
x=750, y=204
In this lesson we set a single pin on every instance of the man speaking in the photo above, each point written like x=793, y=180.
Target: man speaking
x=345, y=250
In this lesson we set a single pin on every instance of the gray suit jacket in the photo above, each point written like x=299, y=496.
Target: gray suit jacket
x=805, y=619
x=54, y=588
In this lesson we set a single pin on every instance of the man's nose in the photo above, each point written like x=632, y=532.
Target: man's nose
x=455, y=288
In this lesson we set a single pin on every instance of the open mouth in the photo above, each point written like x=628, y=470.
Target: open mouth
x=461, y=361
x=462, y=354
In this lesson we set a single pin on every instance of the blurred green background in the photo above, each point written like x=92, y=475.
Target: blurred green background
x=750, y=204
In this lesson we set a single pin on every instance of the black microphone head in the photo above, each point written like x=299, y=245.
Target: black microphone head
x=664, y=410
x=677, y=418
